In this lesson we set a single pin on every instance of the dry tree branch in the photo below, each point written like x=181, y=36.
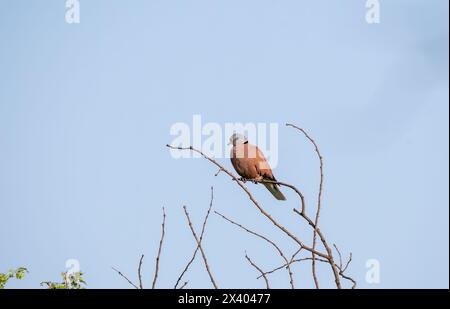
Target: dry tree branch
x=283, y=184
x=200, y=247
x=319, y=198
x=337, y=272
x=295, y=254
x=263, y=274
x=163, y=227
x=353, y=281
x=348, y=262
x=266, y=214
x=253, y=200
x=325, y=244
x=302, y=213
x=340, y=256
x=139, y=272
x=125, y=277
x=315, y=226
x=267, y=240
x=342, y=268
x=142, y=259
x=200, y=240
x=292, y=262
x=184, y=285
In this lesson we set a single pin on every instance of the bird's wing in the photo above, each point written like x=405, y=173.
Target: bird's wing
x=249, y=162
x=262, y=166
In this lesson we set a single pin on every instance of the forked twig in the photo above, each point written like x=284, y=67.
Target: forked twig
x=201, y=238
x=342, y=268
x=327, y=247
x=205, y=260
x=263, y=274
x=292, y=262
x=291, y=277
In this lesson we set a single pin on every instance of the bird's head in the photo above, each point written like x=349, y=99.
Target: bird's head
x=237, y=139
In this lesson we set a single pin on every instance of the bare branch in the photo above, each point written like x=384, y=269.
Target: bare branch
x=340, y=256
x=353, y=281
x=259, y=269
x=267, y=240
x=342, y=268
x=299, y=193
x=328, y=256
x=327, y=247
x=253, y=200
x=184, y=285
x=200, y=247
x=163, y=227
x=348, y=262
x=292, y=262
x=201, y=238
x=319, y=199
x=125, y=277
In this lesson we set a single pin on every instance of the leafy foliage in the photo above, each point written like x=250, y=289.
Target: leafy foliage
x=73, y=281
x=18, y=273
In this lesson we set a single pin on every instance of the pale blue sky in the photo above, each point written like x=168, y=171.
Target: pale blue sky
x=85, y=112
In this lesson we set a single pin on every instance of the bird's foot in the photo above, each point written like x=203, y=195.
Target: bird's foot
x=243, y=179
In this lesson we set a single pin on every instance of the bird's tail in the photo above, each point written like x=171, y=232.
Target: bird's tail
x=273, y=188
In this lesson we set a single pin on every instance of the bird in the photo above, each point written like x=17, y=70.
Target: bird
x=250, y=163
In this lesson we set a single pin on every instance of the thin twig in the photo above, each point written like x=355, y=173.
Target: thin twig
x=139, y=272
x=348, y=262
x=259, y=269
x=340, y=256
x=292, y=262
x=184, y=285
x=200, y=247
x=353, y=281
x=163, y=228
x=296, y=253
x=342, y=268
x=201, y=238
x=319, y=199
x=125, y=277
x=327, y=248
x=267, y=240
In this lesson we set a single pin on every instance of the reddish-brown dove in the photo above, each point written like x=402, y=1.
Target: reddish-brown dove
x=250, y=163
